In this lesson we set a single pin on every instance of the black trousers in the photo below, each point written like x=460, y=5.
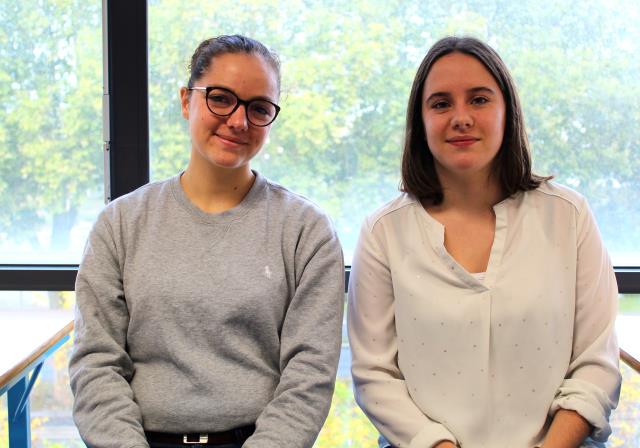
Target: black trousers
x=195, y=445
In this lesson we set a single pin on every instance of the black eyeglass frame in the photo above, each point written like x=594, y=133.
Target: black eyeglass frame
x=239, y=102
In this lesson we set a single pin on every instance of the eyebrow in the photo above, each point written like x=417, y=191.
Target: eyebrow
x=481, y=89
x=253, y=98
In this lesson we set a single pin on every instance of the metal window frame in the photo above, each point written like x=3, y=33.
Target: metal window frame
x=125, y=130
x=62, y=278
x=126, y=97
x=126, y=139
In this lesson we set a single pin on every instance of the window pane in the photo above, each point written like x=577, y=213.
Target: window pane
x=346, y=426
x=347, y=71
x=50, y=129
x=51, y=399
x=629, y=305
x=625, y=420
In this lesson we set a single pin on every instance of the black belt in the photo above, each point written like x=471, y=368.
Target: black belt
x=237, y=435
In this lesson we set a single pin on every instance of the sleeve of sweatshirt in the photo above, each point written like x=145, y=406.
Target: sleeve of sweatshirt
x=100, y=368
x=310, y=343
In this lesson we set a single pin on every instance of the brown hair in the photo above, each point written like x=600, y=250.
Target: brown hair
x=216, y=46
x=512, y=164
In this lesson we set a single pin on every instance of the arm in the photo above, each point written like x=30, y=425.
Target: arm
x=100, y=368
x=379, y=385
x=309, y=347
x=592, y=384
x=568, y=430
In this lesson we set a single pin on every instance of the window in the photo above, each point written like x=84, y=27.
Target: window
x=347, y=70
x=51, y=176
x=51, y=399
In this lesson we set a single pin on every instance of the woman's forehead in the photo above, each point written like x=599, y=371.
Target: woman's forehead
x=458, y=71
x=248, y=75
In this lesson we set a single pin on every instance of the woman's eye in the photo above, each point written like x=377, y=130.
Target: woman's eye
x=220, y=99
x=479, y=100
x=260, y=108
x=439, y=105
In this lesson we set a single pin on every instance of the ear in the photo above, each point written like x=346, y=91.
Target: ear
x=184, y=102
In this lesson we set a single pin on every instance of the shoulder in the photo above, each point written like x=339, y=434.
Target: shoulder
x=146, y=193
x=131, y=206
x=557, y=196
x=393, y=210
x=292, y=205
x=304, y=226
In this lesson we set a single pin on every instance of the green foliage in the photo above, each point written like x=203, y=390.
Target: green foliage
x=348, y=68
x=629, y=304
x=625, y=418
x=347, y=71
x=346, y=425
x=50, y=126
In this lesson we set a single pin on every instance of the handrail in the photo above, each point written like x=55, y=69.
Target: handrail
x=630, y=360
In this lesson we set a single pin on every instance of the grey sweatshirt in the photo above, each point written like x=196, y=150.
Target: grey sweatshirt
x=195, y=322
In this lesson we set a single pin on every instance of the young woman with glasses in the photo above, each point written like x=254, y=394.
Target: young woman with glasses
x=209, y=305
x=481, y=301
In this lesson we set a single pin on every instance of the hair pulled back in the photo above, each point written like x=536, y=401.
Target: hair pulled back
x=217, y=46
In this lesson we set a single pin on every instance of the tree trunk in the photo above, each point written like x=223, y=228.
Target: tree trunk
x=61, y=231
x=60, y=240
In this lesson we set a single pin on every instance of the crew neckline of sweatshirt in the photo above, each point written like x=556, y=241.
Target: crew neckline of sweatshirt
x=251, y=199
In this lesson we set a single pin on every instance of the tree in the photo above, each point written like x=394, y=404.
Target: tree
x=50, y=128
x=347, y=71
x=348, y=68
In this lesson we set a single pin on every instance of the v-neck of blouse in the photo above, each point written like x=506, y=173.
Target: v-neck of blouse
x=435, y=236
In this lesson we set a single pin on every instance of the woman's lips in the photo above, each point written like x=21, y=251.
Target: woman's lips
x=230, y=141
x=462, y=141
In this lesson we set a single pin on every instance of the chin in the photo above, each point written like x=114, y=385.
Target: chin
x=225, y=159
x=470, y=164
x=468, y=168
x=229, y=164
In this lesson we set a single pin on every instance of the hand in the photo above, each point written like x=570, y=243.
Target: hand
x=445, y=444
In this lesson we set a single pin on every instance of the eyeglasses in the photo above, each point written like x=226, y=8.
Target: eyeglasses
x=223, y=102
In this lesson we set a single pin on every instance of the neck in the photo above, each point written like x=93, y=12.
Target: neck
x=215, y=190
x=475, y=193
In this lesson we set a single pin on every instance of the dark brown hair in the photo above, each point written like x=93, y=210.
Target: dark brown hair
x=512, y=164
x=217, y=46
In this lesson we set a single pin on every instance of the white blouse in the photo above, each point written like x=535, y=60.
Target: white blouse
x=440, y=355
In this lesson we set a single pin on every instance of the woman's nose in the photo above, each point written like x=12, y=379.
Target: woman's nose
x=462, y=119
x=238, y=119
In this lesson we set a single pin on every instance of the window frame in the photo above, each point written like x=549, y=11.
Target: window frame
x=126, y=140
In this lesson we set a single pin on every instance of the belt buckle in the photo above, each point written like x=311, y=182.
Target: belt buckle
x=202, y=438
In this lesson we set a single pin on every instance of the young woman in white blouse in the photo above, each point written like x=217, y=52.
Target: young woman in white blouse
x=481, y=301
